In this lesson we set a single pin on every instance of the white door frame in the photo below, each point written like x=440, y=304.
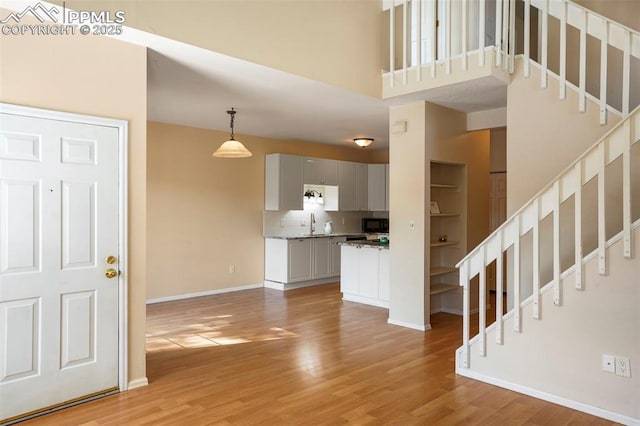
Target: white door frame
x=123, y=143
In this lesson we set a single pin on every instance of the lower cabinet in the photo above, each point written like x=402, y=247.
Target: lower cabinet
x=301, y=261
x=364, y=275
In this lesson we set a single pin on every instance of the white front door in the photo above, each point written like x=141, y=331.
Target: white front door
x=59, y=214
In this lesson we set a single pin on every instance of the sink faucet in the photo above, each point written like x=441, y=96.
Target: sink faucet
x=312, y=224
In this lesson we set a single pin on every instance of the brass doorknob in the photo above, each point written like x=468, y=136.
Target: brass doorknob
x=111, y=260
x=111, y=273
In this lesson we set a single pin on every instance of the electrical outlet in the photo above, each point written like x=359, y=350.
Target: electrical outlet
x=232, y=268
x=609, y=363
x=412, y=224
x=623, y=368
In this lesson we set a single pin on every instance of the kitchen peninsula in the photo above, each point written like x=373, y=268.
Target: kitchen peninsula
x=364, y=272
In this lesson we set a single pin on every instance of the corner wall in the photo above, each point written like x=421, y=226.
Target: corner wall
x=102, y=77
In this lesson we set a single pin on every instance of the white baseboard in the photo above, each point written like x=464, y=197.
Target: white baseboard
x=457, y=311
x=292, y=286
x=419, y=327
x=365, y=300
x=585, y=408
x=203, y=293
x=137, y=383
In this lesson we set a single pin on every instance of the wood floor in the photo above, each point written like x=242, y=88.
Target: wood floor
x=304, y=357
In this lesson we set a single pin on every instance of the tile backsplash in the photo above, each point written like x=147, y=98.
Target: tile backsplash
x=296, y=222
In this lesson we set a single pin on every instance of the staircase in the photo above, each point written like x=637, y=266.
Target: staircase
x=569, y=256
x=540, y=346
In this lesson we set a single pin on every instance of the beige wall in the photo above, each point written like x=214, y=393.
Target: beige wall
x=206, y=213
x=561, y=354
x=102, y=77
x=336, y=42
x=544, y=135
x=434, y=133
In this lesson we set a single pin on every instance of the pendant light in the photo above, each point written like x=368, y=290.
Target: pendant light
x=232, y=148
x=363, y=142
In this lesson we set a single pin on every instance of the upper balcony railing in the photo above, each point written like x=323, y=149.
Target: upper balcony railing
x=428, y=35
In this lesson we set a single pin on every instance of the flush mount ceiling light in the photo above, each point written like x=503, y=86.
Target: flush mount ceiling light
x=232, y=148
x=363, y=142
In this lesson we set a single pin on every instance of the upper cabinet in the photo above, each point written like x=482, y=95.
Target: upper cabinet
x=283, y=182
x=377, y=187
x=319, y=171
x=352, y=184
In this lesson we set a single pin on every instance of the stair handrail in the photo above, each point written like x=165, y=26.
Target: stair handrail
x=617, y=142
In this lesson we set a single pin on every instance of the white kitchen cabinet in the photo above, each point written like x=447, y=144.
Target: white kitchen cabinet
x=321, y=259
x=320, y=171
x=347, y=186
x=352, y=186
x=368, y=274
x=334, y=255
x=386, y=173
x=364, y=276
x=377, y=187
x=383, y=272
x=284, y=187
x=363, y=186
x=299, y=260
x=349, y=270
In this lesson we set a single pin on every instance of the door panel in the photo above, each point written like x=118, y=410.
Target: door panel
x=58, y=223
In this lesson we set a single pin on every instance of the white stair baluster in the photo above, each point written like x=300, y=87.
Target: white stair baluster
x=563, y=51
x=418, y=10
x=602, y=234
x=578, y=225
x=505, y=34
x=512, y=35
x=604, y=44
x=405, y=29
x=466, y=311
x=481, y=32
x=556, y=243
x=498, y=33
x=516, y=276
x=527, y=38
x=545, y=40
x=434, y=37
x=626, y=189
x=392, y=43
x=447, y=37
x=626, y=72
x=499, y=292
x=464, y=35
x=582, y=98
x=482, y=315
x=536, y=259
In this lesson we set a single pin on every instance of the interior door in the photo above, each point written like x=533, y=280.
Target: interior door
x=58, y=224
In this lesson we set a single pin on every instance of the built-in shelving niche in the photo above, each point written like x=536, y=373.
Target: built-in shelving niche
x=448, y=188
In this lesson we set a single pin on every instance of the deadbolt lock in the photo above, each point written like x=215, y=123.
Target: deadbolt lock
x=111, y=260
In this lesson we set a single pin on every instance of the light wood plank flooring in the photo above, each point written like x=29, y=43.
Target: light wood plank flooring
x=304, y=357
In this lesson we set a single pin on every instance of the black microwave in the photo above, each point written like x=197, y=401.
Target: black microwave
x=375, y=225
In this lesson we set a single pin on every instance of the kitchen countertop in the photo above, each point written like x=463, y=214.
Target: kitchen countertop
x=297, y=237
x=365, y=243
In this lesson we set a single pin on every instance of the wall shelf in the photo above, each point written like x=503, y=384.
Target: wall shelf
x=436, y=244
x=443, y=185
x=441, y=270
x=442, y=288
x=444, y=214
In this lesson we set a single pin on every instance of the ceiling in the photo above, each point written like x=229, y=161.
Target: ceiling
x=191, y=86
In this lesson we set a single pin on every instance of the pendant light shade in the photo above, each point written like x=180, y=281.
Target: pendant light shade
x=232, y=148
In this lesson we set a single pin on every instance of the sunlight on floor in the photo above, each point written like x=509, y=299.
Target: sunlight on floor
x=202, y=335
